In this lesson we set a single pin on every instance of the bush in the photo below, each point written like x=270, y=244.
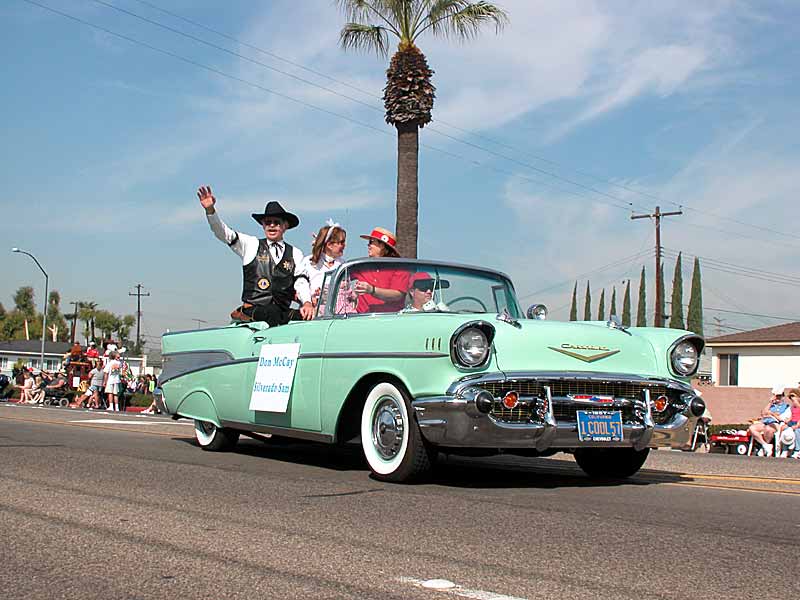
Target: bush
x=140, y=400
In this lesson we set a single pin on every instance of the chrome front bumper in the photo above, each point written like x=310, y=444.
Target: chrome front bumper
x=454, y=420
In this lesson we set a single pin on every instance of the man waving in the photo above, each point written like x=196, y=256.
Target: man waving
x=269, y=265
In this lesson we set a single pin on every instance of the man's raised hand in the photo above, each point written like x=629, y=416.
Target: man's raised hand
x=206, y=197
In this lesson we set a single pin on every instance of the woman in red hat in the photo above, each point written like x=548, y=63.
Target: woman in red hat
x=380, y=289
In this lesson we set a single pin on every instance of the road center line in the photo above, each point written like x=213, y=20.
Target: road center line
x=456, y=590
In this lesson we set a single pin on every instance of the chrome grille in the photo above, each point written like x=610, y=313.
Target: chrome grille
x=563, y=388
x=564, y=409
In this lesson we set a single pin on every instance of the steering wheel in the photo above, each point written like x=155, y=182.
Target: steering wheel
x=462, y=298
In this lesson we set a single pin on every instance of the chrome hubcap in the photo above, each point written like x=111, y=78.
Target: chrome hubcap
x=207, y=428
x=387, y=428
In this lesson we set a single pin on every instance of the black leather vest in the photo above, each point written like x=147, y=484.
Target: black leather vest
x=264, y=281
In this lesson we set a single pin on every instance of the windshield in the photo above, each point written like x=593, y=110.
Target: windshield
x=397, y=286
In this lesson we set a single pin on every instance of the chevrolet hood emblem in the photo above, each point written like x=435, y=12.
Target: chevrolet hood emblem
x=568, y=349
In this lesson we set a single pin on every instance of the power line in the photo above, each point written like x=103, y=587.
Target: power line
x=467, y=132
x=706, y=259
x=627, y=259
x=296, y=100
x=731, y=269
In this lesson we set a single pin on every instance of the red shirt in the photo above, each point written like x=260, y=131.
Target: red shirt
x=392, y=279
x=92, y=352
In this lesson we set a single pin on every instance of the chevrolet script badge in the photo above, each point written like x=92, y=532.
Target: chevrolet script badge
x=568, y=349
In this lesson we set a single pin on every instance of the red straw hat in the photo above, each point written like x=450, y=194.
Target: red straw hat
x=385, y=236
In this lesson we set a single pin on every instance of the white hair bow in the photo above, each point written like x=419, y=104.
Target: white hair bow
x=331, y=226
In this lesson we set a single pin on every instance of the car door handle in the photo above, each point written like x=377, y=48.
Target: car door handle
x=258, y=338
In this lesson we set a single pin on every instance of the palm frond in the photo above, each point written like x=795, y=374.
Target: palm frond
x=359, y=36
x=461, y=18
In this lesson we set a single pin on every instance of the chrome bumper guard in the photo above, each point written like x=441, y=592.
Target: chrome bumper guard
x=455, y=420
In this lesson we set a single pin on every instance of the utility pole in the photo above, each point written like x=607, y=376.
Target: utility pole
x=138, y=295
x=74, y=321
x=659, y=322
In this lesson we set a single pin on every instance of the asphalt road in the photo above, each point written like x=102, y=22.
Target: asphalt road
x=131, y=508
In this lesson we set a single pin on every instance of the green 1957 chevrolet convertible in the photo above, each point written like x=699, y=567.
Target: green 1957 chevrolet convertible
x=456, y=367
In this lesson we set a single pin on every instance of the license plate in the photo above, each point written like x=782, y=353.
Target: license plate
x=599, y=426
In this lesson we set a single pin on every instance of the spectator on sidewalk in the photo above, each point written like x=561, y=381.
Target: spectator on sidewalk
x=776, y=413
x=27, y=388
x=111, y=380
x=91, y=351
x=794, y=421
x=96, y=376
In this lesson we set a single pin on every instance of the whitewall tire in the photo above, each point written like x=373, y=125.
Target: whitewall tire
x=390, y=436
x=213, y=438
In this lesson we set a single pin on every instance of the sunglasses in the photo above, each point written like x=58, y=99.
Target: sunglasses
x=266, y=222
x=424, y=286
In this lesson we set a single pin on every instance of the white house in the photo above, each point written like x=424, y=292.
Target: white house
x=757, y=359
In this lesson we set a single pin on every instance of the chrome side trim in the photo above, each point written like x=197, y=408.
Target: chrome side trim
x=300, y=434
x=178, y=364
x=373, y=355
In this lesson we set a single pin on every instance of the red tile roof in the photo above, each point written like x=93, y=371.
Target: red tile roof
x=790, y=332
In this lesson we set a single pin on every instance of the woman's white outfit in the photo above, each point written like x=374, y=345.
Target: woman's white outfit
x=316, y=271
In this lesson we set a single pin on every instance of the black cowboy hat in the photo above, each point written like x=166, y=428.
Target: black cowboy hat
x=274, y=209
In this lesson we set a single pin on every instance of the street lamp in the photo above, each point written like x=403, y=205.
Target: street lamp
x=44, y=312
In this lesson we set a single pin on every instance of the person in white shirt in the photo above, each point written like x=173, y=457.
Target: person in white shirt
x=111, y=380
x=270, y=267
x=326, y=255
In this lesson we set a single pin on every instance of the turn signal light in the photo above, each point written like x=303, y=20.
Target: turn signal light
x=510, y=400
x=660, y=404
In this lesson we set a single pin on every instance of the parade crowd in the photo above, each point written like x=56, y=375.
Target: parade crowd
x=776, y=429
x=107, y=384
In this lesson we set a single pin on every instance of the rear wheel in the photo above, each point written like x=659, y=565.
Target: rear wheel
x=610, y=463
x=390, y=437
x=213, y=438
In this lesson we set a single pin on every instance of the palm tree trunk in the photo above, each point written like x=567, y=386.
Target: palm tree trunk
x=407, y=172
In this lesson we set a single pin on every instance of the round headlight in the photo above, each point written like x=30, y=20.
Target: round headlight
x=684, y=358
x=471, y=347
x=537, y=311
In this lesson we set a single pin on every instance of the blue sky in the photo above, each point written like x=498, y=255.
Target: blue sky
x=588, y=110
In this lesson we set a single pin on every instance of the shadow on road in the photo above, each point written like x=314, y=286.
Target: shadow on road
x=450, y=471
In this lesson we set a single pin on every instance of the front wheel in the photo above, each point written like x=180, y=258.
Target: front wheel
x=213, y=438
x=390, y=437
x=610, y=463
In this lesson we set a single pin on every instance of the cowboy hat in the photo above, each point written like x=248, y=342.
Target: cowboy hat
x=383, y=235
x=274, y=209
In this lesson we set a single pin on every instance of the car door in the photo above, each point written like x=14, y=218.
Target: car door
x=303, y=410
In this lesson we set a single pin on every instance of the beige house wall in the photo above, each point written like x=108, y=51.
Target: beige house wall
x=761, y=366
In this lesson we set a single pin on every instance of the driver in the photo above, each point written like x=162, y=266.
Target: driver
x=421, y=290
x=271, y=267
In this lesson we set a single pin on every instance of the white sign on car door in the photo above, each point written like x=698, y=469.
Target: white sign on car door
x=274, y=377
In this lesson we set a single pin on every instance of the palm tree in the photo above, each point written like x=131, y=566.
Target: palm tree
x=409, y=93
x=87, y=312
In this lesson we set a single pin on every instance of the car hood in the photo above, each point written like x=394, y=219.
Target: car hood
x=573, y=346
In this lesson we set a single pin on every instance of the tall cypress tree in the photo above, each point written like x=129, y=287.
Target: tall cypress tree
x=676, y=318
x=613, y=310
x=601, y=309
x=573, y=310
x=626, y=305
x=695, y=316
x=587, y=304
x=641, y=309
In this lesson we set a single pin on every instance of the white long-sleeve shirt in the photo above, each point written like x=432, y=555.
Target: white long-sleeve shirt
x=246, y=246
